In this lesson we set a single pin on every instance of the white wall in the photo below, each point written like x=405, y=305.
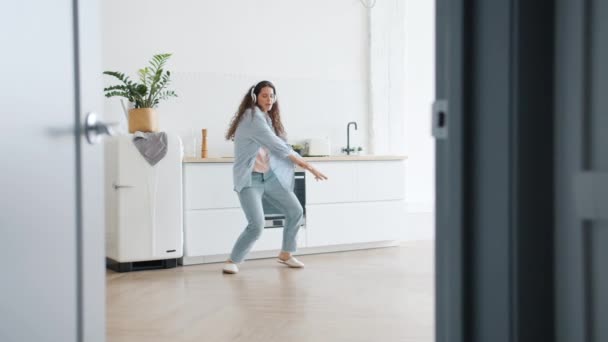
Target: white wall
x=418, y=96
x=386, y=121
x=314, y=51
x=317, y=53
x=402, y=88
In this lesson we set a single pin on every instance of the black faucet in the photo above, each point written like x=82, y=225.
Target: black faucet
x=348, y=150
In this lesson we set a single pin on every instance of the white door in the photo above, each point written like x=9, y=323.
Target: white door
x=51, y=283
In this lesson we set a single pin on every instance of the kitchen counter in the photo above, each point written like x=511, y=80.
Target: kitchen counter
x=361, y=205
x=312, y=159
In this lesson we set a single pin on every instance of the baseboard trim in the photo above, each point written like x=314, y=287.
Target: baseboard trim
x=205, y=259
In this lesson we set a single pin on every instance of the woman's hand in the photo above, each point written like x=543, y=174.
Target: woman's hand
x=306, y=166
x=318, y=175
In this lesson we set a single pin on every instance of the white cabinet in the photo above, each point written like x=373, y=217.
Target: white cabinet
x=340, y=187
x=363, y=201
x=212, y=214
x=209, y=186
x=380, y=181
x=358, y=222
x=213, y=218
x=214, y=232
x=357, y=181
x=210, y=232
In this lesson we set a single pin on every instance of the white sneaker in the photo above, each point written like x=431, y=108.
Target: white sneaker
x=292, y=262
x=230, y=268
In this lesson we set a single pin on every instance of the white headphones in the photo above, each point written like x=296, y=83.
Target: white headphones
x=254, y=98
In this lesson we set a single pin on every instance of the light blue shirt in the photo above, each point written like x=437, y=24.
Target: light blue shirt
x=254, y=131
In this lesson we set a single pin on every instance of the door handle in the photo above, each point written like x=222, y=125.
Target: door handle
x=94, y=129
x=440, y=119
x=120, y=186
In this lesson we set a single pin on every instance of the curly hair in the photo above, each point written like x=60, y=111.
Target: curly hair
x=247, y=102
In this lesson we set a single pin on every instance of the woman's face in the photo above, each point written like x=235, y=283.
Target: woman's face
x=266, y=99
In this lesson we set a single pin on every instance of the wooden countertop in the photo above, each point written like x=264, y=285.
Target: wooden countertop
x=312, y=159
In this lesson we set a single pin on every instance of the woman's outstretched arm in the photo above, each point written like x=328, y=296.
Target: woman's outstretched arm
x=306, y=166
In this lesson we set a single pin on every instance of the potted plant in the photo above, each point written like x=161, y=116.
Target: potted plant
x=144, y=96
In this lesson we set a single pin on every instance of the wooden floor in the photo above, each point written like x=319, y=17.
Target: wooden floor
x=383, y=294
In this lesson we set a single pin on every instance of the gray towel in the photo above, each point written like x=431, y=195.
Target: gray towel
x=152, y=146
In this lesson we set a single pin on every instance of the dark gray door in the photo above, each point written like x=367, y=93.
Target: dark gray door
x=51, y=287
x=449, y=161
x=581, y=241
x=493, y=125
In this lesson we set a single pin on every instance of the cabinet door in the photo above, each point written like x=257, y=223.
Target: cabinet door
x=357, y=181
x=380, y=180
x=211, y=232
x=340, y=187
x=209, y=186
x=344, y=223
x=330, y=224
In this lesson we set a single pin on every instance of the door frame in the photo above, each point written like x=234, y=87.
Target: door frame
x=90, y=233
x=580, y=183
x=494, y=199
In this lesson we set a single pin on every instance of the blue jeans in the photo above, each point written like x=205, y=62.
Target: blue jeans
x=251, y=201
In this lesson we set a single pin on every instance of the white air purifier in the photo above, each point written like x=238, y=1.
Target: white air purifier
x=143, y=206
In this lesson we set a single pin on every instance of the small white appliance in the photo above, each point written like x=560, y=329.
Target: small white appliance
x=318, y=147
x=143, y=206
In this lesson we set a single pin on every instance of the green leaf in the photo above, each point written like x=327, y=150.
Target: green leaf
x=154, y=79
x=121, y=87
